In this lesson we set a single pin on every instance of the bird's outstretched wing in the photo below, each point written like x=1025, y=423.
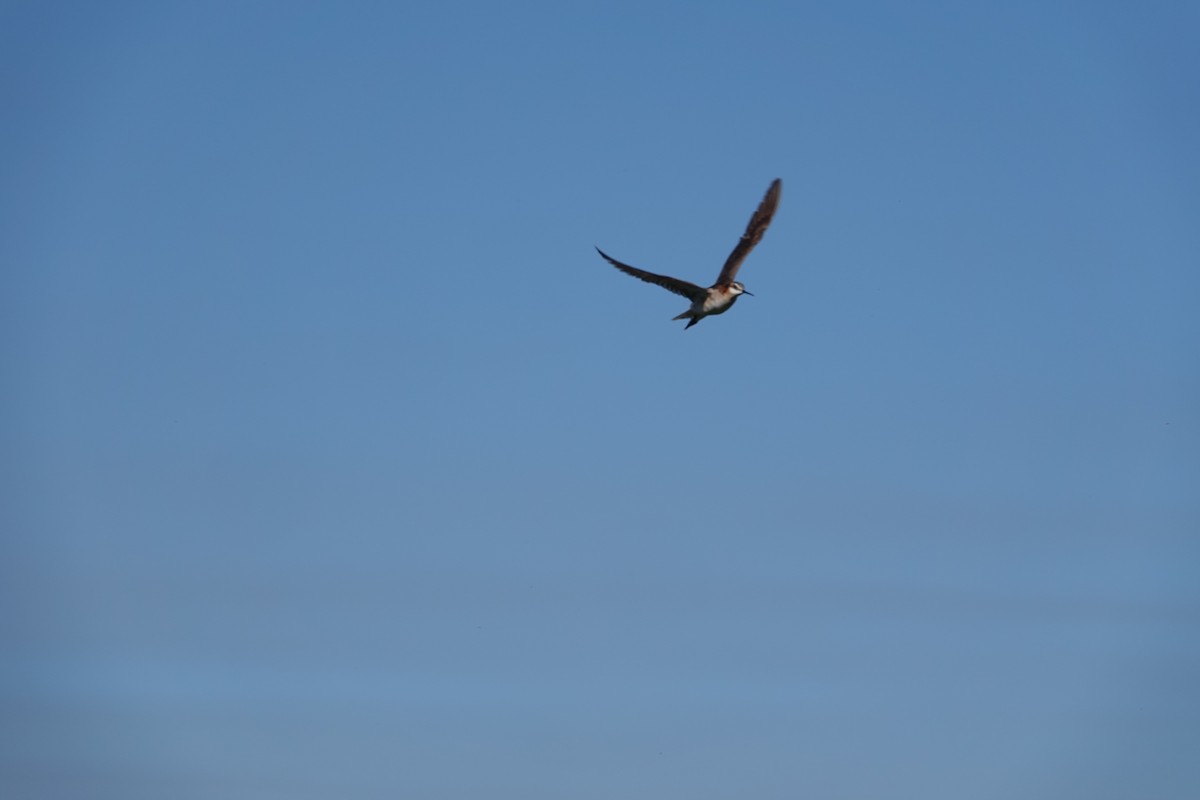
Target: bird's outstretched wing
x=688, y=290
x=754, y=233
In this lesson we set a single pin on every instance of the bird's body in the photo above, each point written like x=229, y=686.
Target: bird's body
x=716, y=300
x=720, y=297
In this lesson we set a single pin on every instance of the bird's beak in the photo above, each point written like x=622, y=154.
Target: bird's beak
x=749, y=293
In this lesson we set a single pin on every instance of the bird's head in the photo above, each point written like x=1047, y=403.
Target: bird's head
x=736, y=288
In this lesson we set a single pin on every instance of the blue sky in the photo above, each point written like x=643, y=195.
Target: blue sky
x=337, y=463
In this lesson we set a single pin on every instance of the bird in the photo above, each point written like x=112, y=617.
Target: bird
x=720, y=297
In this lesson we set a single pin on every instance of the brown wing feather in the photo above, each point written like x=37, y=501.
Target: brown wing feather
x=688, y=290
x=753, y=235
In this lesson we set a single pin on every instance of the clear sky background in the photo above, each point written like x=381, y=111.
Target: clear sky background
x=336, y=463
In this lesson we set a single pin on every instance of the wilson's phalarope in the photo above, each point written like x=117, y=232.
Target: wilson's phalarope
x=720, y=297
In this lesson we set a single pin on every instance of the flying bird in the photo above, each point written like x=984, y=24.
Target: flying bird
x=720, y=297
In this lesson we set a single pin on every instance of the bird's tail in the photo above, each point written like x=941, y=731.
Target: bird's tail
x=690, y=317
